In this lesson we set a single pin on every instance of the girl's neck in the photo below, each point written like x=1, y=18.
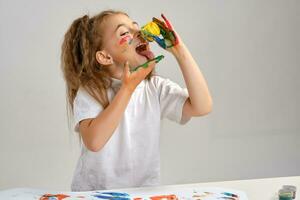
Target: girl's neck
x=116, y=71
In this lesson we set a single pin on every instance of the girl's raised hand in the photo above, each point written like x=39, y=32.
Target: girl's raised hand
x=131, y=80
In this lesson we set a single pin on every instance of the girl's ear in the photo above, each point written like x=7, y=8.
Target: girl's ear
x=104, y=58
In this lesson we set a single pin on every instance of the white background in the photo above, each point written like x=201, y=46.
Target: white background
x=248, y=51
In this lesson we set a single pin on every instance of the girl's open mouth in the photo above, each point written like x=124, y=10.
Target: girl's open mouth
x=144, y=50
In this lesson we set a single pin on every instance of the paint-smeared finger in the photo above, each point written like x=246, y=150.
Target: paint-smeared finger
x=148, y=68
x=169, y=25
x=126, y=71
x=151, y=65
x=160, y=23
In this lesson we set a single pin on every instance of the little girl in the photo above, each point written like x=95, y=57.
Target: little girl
x=117, y=111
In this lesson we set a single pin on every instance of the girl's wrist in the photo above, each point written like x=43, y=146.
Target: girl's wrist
x=126, y=89
x=178, y=50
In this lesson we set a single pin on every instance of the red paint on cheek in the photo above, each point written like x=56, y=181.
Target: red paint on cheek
x=125, y=39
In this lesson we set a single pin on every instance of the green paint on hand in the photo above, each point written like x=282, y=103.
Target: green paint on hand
x=145, y=65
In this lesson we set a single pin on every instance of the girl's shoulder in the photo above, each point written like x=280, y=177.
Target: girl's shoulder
x=81, y=94
x=83, y=97
x=157, y=80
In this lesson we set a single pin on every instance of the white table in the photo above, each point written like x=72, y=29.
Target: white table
x=256, y=189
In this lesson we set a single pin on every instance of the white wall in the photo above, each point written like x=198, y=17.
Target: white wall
x=248, y=52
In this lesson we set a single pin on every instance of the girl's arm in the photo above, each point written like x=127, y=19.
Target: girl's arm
x=199, y=101
x=96, y=132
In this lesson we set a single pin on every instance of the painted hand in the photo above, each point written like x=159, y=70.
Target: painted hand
x=130, y=80
x=153, y=30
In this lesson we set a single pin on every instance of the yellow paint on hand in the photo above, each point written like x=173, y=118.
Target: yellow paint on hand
x=151, y=28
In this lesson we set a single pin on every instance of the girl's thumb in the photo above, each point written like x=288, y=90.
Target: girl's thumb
x=126, y=71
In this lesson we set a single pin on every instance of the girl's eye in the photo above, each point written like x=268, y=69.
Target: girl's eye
x=124, y=33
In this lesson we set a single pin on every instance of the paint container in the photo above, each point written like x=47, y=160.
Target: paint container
x=291, y=188
x=285, y=194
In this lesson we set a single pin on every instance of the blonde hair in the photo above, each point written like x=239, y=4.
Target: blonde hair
x=78, y=61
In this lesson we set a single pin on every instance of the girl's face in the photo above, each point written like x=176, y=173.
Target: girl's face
x=121, y=39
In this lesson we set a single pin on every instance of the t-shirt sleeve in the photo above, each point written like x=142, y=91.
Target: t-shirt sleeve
x=84, y=107
x=171, y=98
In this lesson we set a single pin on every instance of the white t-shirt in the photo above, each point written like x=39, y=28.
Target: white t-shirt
x=131, y=157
